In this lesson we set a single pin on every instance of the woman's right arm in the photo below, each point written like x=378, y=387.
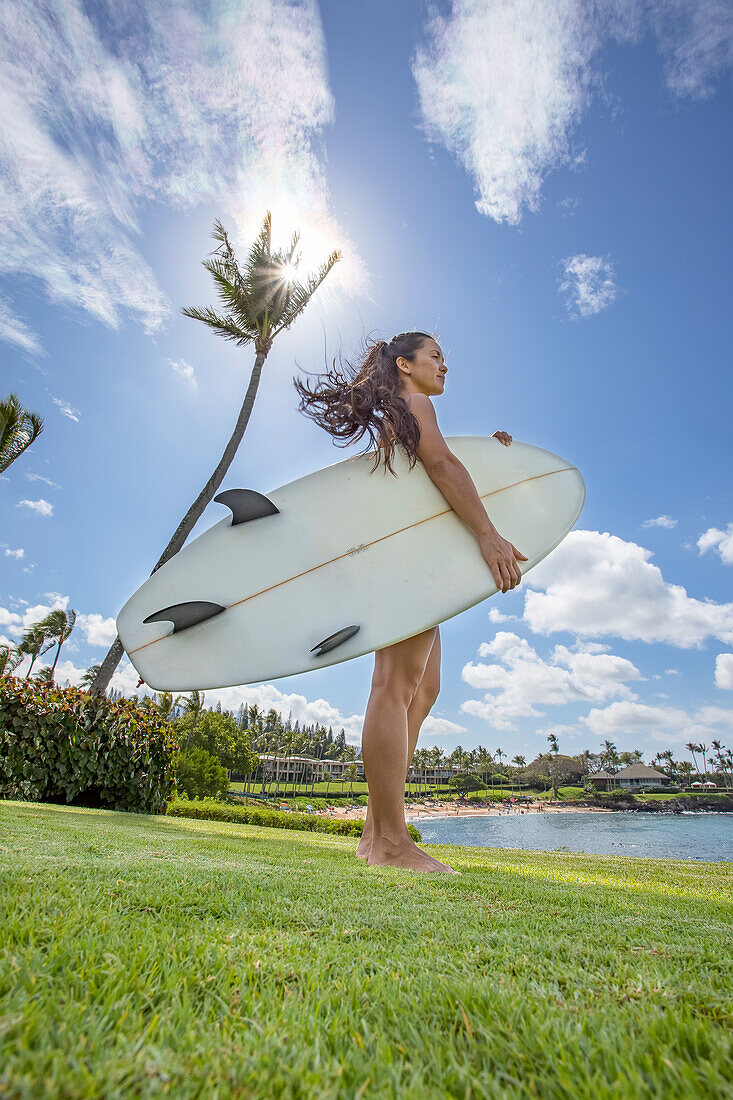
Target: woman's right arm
x=456, y=484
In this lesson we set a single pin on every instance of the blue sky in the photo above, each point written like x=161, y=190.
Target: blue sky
x=543, y=187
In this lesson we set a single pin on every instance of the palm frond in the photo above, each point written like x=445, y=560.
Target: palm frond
x=226, y=326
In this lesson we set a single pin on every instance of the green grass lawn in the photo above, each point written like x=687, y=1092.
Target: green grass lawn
x=144, y=956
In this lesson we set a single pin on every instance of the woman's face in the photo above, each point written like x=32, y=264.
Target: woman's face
x=426, y=372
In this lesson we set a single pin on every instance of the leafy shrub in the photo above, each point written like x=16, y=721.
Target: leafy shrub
x=64, y=745
x=199, y=774
x=254, y=815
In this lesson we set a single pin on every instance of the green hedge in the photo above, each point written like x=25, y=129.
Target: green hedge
x=211, y=810
x=64, y=745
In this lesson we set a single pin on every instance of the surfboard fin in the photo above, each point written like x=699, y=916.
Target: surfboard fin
x=246, y=504
x=183, y=615
x=334, y=639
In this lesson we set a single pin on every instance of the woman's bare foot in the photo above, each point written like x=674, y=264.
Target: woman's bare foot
x=365, y=843
x=405, y=853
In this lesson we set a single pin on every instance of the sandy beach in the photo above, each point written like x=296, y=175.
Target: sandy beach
x=420, y=811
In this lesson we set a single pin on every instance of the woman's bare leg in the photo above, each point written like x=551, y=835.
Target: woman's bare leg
x=417, y=712
x=398, y=672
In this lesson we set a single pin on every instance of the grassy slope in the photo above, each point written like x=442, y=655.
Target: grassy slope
x=146, y=955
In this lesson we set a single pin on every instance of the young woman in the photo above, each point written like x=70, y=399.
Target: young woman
x=388, y=398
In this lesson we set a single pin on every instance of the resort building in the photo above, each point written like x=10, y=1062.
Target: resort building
x=631, y=779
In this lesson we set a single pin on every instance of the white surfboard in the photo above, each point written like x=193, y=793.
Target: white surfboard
x=338, y=563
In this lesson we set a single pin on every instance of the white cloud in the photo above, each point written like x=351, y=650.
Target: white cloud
x=96, y=629
x=523, y=680
x=438, y=727
x=104, y=109
x=597, y=584
x=662, y=723
x=696, y=41
x=720, y=541
x=15, y=331
x=67, y=409
x=40, y=507
x=17, y=554
x=45, y=480
x=496, y=616
x=660, y=521
x=588, y=285
x=10, y=619
x=184, y=370
x=724, y=671
x=503, y=84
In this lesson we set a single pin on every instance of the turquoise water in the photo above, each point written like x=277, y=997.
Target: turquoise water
x=673, y=836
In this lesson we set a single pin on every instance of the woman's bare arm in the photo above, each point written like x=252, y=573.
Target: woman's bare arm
x=449, y=474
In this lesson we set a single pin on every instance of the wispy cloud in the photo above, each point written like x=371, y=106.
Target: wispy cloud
x=104, y=108
x=67, y=409
x=503, y=84
x=719, y=541
x=660, y=521
x=45, y=480
x=40, y=507
x=184, y=370
x=588, y=285
x=13, y=330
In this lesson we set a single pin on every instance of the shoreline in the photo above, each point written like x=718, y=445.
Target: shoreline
x=416, y=812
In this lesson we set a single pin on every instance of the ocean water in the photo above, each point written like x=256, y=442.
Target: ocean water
x=674, y=836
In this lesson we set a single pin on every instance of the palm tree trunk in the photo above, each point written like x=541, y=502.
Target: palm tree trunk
x=53, y=666
x=194, y=513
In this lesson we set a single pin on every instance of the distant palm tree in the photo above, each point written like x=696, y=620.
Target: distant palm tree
x=193, y=703
x=703, y=749
x=58, y=625
x=10, y=658
x=519, y=762
x=88, y=677
x=692, y=748
x=44, y=675
x=260, y=300
x=33, y=645
x=18, y=429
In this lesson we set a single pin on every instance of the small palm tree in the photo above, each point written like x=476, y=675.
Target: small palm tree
x=33, y=644
x=193, y=703
x=260, y=300
x=90, y=676
x=18, y=429
x=10, y=658
x=44, y=675
x=58, y=625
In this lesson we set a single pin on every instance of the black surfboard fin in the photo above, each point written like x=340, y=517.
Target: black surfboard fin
x=183, y=615
x=334, y=639
x=246, y=504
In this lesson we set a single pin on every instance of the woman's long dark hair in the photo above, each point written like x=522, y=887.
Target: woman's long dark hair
x=367, y=400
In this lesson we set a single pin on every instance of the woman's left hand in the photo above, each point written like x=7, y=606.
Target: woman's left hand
x=503, y=437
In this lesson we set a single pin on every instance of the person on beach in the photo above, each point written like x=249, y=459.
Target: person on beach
x=388, y=398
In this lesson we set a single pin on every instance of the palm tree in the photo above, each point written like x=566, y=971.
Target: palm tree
x=33, y=645
x=704, y=749
x=350, y=774
x=685, y=771
x=692, y=748
x=10, y=658
x=58, y=625
x=18, y=429
x=554, y=750
x=260, y=301
x=519, y=762
x=193, y=703
x=44, y=675
x=90, y=676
